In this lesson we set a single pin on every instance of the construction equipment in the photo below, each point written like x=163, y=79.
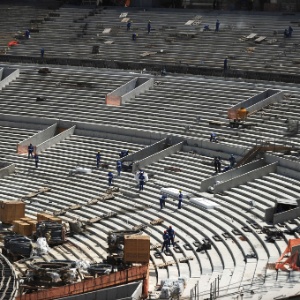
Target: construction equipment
x=52, y=231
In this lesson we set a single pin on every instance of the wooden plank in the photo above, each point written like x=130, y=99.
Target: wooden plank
x=189, y=22
x=106, y=30
x=108, y=42
x=260, y=39
x=125, y=20
x=251, y=36
x=156, y=221
x=147, y=53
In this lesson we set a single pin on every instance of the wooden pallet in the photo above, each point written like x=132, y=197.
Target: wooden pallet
x=156, y=221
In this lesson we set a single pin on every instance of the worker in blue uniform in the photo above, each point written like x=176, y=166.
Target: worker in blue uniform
x=232, y=160
x=98, y=159
x=142, y=180
x=42, y=52
x=27, y=34
x=149, y=26
x=180, y=198
x=290, y=31
x=162, y=201
x=128, y=25
x=30, y=151
x=119, y=167
x=123, y=153
x=213, y=137
x=134, y=35
x=166, y=241
x=225, y=64
x=110, y=176
x=36, y=159
x=171, y=233
x=217, y=25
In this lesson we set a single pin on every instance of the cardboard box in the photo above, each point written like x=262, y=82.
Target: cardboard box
x=137, y=248
x=11, y=210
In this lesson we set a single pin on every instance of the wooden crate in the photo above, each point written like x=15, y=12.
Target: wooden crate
x=55, y=219
x=25, y=229
x=16, y=225
x=137, y=248
x=26, y=219
x=32, y=224
x=11, y=210
x=43, y=217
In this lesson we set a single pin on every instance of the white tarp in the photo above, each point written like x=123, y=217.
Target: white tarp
x=203, y=202
x=173, y=193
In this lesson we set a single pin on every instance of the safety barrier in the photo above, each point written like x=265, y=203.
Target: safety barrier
x=88, y=285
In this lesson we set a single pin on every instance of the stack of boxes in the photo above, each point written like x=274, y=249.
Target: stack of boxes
x=27, y=226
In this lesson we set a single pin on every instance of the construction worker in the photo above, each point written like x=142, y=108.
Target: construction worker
x=36, y=159
x=206, y=27
x=162, y=201
x=42, y=52
x=213, y=137
x=166, y=241
x=225, y=64
x=134, y=35
x=123, y=153
x=216, y=164
x=180, y=198
x=219, y=164
x=110, y=176
x=171, y=233
x=98, y=158
x=27, y=34
x=217, y=25
x=141, y=180
x=290, y=30
x=149, y=26
x=128, y=25
x=30, y=151
x=119, y=167
x=232, y=160
x=48, y=236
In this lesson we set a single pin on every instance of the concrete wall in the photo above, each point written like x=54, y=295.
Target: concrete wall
x=231, y=174
x=140, y=88
x=129, y=90
x=285, y=167
x=156, y=157
x=55, y=140
x=25, y=122
x=130, y=291
x=249, y=176
x=8, y=75
x=41, y=136
x=7, y=170
x=258, y=101
x=270, y=216
x=147, y=151
x=275, y=96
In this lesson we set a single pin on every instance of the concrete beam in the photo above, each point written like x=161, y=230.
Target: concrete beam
x=55, y=139
x=231, y=174
x=8, y=75
x=156, y=157
x=256, y=102
x=129, y=90
x=7, y=169
x=147, y=151
x=249, y=176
